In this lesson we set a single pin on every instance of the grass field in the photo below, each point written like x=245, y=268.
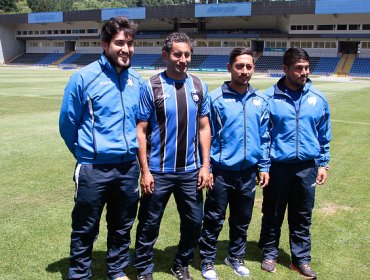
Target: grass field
x=36, y=196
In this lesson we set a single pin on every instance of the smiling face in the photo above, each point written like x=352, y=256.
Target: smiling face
x=177, y=60
x=241, y=71
x=296, y=74
x=119, y=50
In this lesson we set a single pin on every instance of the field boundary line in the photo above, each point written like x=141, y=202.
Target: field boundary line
x=349, y=122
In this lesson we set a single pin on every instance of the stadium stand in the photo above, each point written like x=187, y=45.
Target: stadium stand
x=265, y=63
x=324, y=65
x=145, y=61
x=361, y=67
x=217, y=28
x=81, y=59
x=37, y=58
x=318, y=65
x=214, y=62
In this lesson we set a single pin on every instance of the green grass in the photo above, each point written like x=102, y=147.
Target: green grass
x=37, y=189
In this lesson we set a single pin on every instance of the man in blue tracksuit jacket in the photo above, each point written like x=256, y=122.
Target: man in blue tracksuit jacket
x=98, y=124
x=300, y=133
x=240, y=146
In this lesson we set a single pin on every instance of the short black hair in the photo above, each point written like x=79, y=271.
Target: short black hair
x=177, y=37
x=115, y=25
x=239, y=51
x=293, y=55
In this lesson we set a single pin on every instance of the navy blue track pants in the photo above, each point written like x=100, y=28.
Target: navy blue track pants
x=291, y=185
x=115, y=185
x=236, y=189
x=189, y=201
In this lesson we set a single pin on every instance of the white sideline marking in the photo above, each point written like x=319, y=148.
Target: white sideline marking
x=340, y=121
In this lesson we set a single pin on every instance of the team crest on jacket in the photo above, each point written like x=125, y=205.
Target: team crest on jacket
x=196, y=96
x=311, y=100
x=130, y=83
x=256, y=102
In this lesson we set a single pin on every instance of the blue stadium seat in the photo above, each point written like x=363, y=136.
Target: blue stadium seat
x=361, y=67
x=37, y=58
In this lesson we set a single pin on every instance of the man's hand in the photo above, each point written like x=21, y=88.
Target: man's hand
x=264, y=178
x=147, y=182
x=322, y=175
x=204, y=178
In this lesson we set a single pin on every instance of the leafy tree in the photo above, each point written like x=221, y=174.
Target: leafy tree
x=22, y=7
x=97, y=4
x=7, y=6
x=41, y=5
x=146, y=3
x=64, y=5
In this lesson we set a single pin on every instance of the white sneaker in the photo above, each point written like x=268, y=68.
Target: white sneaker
x=209, y=272
x=238, y=265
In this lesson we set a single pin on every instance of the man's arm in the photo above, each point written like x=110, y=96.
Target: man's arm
x=324, y=138
x=71, y=112
x=264, y=163
x=205, y=145
x=146, y=180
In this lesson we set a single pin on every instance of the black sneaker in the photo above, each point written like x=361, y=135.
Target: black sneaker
x=269, y=265
x=305, y=270
x=148, y=276
x=181, y=272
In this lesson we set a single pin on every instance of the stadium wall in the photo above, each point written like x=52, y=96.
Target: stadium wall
x=9, y=46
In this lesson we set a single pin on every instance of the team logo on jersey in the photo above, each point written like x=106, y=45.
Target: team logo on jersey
x=130, y=83
x=312, y=100
x=256, y=102
x=229, y=100
x=105, y=83
x=196, y=96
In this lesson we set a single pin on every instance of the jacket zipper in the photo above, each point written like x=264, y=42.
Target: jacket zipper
x=124, y=112
x=297, y=125
x=91, y=111
x=296, y=120
x=220, y=137
x=245, y=131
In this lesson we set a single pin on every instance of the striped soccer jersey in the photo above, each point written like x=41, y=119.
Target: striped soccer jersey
x=172, y=109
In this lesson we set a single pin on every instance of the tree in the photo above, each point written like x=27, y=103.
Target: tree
x=22, y=7
x=146, y=3
x=7, y=6
x=97, y=4
x=41, y=5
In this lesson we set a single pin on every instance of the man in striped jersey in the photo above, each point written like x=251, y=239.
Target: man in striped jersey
x=174, y=143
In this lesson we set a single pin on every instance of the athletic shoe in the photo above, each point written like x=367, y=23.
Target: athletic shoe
x=238, y=265
x=269, y=265
x=122, y=278
x=148, y=276
x=119, y=278
x=181, y=272
x=209, y=272
x=305, y=270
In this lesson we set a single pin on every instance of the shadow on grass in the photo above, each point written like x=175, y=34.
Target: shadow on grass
x=254, y=253
x=163, y=260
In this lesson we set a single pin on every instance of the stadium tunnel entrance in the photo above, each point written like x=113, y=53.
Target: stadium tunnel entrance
x=348, y=47
x=257, y=47
x=69, y=46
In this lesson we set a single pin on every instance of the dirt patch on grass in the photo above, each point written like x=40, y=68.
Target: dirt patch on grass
x=329, y=208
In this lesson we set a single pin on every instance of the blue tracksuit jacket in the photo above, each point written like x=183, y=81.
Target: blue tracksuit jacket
x=98, y=114
x=303, y=134
x=239, y=131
